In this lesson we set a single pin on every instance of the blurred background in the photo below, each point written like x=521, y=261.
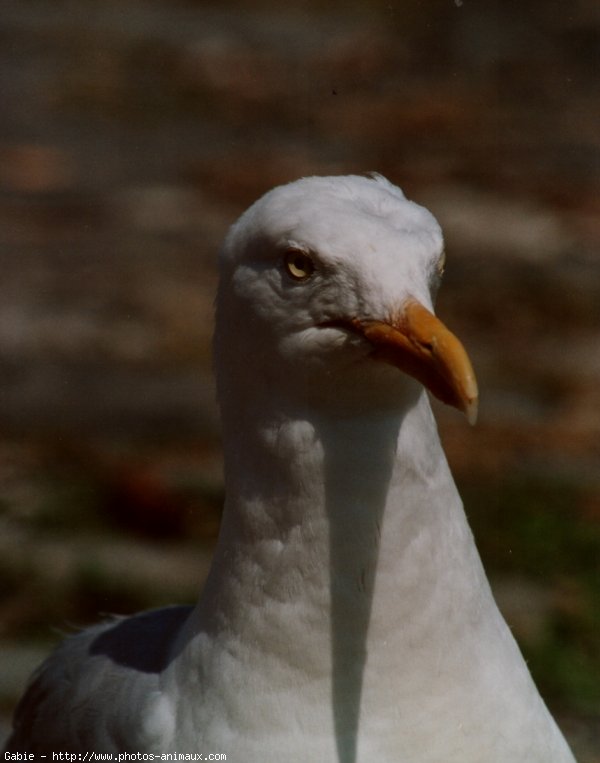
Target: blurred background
x=132, y=133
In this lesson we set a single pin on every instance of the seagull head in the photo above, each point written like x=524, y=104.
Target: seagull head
x=326, y=292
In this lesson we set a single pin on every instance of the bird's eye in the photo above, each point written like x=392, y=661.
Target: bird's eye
x=441, y=264
x=298, y=264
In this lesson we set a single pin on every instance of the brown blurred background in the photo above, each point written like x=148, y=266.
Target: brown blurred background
x=133, y=133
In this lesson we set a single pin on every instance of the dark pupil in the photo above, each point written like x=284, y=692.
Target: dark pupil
x=300, y=263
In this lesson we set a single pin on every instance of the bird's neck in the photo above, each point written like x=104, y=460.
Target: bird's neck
x=346, y=595
x=336, y=536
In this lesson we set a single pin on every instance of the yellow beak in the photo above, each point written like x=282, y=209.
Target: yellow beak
x=419, y=344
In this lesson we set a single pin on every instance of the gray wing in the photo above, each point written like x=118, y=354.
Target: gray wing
x=91, y=693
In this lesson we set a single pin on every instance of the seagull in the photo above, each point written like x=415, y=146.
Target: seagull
x=346, y=617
